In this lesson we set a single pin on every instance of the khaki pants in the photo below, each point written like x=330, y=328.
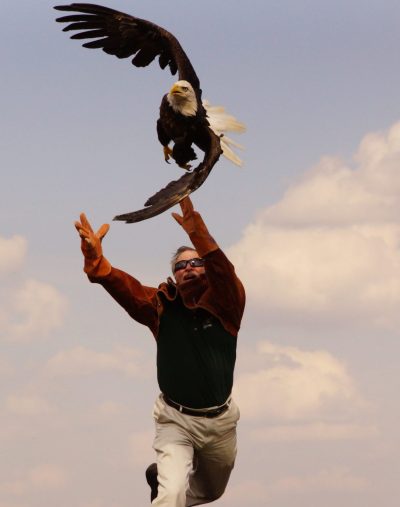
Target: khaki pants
x=195, y=455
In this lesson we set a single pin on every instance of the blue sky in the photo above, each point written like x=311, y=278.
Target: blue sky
x=311, y=223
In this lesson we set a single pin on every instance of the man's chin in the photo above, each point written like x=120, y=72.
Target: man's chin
x=190, y=277
x=192, y=288
x=186, y=282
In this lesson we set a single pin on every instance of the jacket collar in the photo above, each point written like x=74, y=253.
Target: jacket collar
x=190, y=292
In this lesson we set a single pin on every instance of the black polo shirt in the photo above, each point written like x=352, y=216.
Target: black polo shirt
x=195, y=356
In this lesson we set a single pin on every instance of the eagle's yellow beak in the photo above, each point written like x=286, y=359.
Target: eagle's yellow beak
x=176, y=89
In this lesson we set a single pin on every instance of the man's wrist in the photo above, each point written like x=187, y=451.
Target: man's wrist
x=203, y=243
x=98, y=267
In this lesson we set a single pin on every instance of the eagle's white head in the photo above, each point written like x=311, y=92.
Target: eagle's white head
x=182, y=98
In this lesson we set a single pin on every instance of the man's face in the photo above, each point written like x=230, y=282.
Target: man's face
x=189, y=272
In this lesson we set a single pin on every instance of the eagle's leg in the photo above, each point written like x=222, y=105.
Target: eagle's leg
x=183, y=153
x=167, y=153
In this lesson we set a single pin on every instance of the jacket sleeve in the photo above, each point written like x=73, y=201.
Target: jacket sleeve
x=138, y=300
x=225, y=297
x=226, y=294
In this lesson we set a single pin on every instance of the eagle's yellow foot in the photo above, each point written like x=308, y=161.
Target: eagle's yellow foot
x=167, y=153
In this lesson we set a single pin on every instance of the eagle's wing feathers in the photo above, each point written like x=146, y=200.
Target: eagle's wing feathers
x=177, y=190
x=123, y=35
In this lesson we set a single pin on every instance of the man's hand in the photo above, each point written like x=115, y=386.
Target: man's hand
x=190, y=216
x=91, y=241
x=196, y=229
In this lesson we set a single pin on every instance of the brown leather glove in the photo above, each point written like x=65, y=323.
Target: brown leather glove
x=194, y=226
x=95, y=264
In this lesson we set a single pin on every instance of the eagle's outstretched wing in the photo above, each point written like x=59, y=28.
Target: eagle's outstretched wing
x=177, y=190
x=124, y=36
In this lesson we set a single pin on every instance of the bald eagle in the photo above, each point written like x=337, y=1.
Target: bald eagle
x=184, y=120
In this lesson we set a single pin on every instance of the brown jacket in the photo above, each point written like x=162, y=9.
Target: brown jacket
x=223, y=296
x=220, y=292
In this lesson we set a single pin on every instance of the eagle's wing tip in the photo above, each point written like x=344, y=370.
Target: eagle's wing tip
x=120, y=218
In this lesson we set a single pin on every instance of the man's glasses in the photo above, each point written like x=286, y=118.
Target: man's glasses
x=194, y=263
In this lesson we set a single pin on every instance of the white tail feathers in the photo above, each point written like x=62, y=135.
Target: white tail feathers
x=221, y=122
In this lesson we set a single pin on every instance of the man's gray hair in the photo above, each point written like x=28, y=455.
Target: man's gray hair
x=178, y=252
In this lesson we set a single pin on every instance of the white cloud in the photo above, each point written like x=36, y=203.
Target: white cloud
x=140, y=444
x=99, y=503
x=333, y=193
x=32, y=311
x=11, y=504
x=26, y=405
x=47, y=476
x=110, y=409
x=331, y=247
x=5, y=367
x=43, y=477
x=84, y=361
x=329, y=480
x=247, y=492
x=12, y=253
x=29, y=309
x=315, y=431
x=297, y=386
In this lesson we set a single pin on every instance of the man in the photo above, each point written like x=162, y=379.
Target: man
x=195, y=321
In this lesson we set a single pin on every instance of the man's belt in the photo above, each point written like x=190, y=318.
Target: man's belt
x=209, y=413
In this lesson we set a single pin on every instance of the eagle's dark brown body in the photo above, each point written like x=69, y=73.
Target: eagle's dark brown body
x=183, y=131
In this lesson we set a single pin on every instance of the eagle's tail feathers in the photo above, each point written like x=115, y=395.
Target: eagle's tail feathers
x=221, y=122
x=226, y=143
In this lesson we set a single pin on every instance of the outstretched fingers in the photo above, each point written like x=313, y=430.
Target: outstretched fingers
x=103, y=231
x=85, y=229
x=187, y=210
x=85, y=222
x=178, y=218
x=186, y=206
x=83, y=233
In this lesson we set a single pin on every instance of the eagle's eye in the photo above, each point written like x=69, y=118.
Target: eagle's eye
x=185, y=88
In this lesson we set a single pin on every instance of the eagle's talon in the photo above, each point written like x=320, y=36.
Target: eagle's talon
x=185, y=166
x=167, y=153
